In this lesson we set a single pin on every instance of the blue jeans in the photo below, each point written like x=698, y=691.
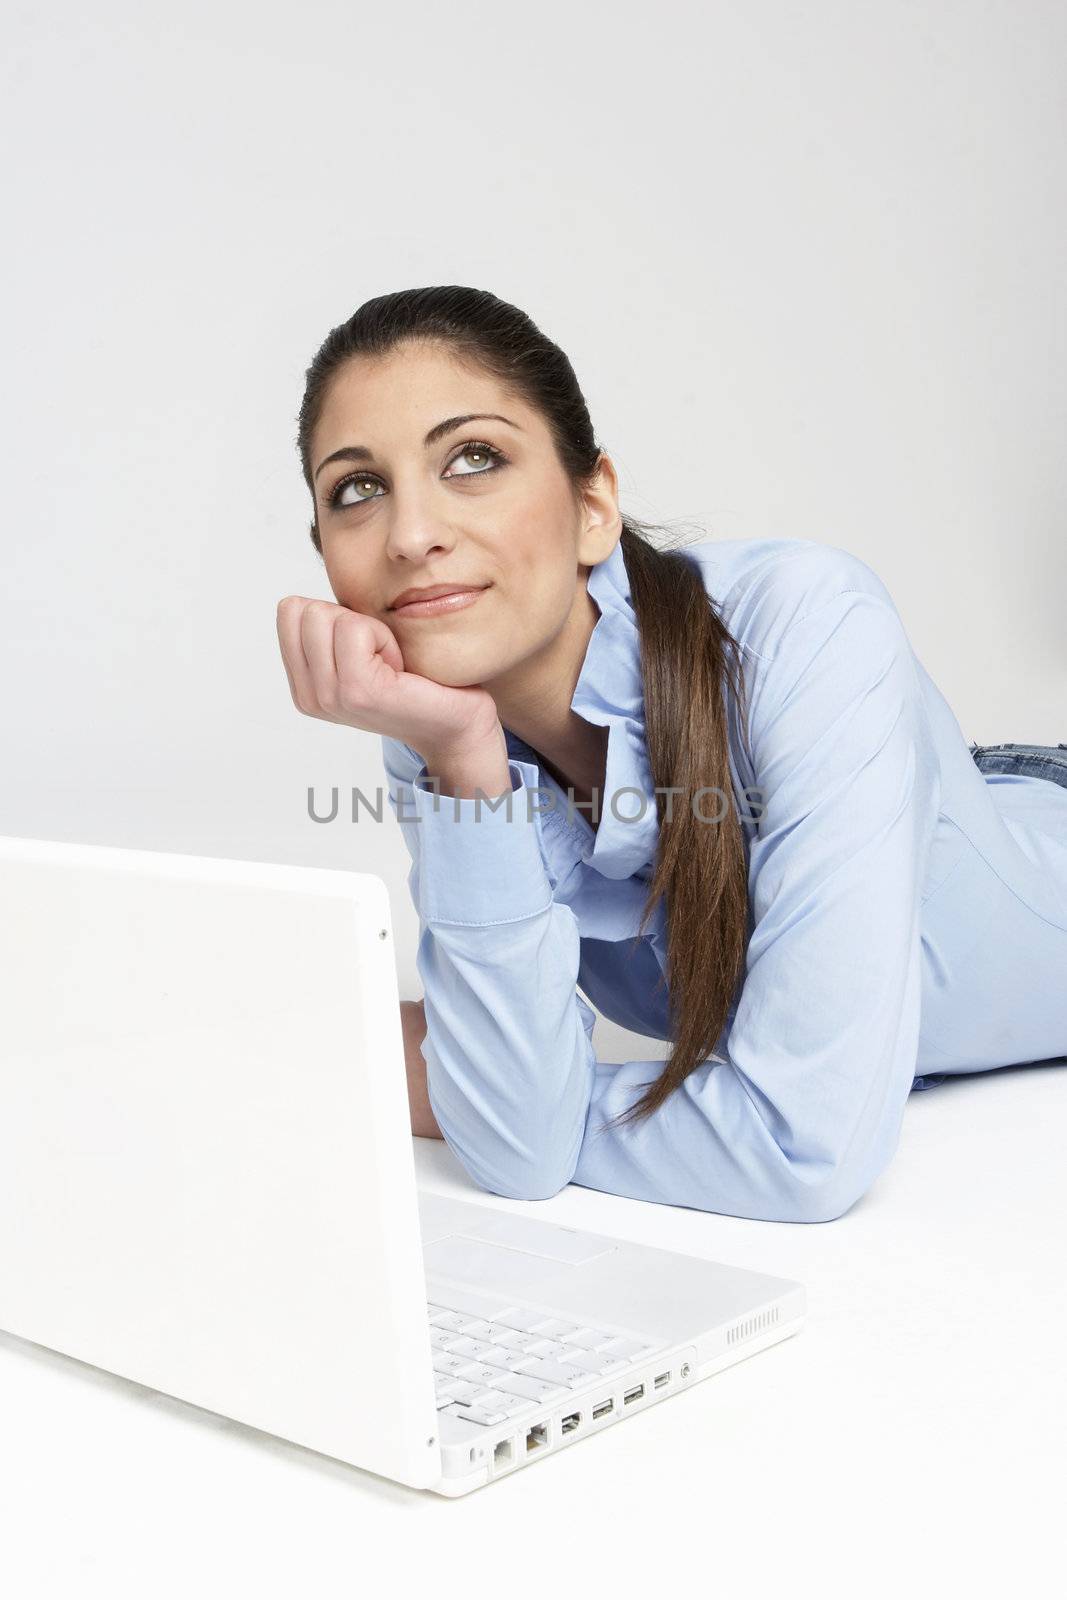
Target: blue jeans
x=1029, y=761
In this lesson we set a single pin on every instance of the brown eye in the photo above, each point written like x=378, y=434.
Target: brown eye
x=352, y=483
x=474, y=450
x=362, y=480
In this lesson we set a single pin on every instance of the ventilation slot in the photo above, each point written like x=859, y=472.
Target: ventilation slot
x=754, y=1325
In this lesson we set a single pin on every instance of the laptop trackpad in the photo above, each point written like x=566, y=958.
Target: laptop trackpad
x=506, y=1267
x=549, y=1239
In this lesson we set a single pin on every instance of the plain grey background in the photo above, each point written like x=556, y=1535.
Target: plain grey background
x=808, y=262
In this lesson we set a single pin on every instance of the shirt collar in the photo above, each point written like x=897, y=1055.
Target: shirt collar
x=609, y=693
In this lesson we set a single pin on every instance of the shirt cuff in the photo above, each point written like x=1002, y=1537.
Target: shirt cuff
x=481, y=860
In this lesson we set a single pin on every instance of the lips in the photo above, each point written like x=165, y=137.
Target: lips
x=436, y=592
x=442, y=604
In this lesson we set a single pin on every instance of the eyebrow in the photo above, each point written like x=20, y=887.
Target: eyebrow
x=359, y=452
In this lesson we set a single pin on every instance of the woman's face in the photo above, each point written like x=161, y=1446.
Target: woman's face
x=484, y=502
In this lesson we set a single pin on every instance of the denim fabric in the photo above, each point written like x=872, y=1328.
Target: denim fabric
x=1025, y=760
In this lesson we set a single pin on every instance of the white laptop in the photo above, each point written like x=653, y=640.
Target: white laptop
x=207, y=1185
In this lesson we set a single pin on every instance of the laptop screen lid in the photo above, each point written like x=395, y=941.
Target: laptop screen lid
x=207, y=1180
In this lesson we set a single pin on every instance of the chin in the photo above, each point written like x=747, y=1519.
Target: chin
x=443, y=668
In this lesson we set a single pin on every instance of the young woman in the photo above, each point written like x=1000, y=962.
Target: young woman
x=714, y=788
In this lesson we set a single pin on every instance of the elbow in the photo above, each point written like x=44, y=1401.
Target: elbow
x=542, y=1181
x=518, y=1168
x=523, y=1179
x=831, y=1196
x=820, y=1208
x=524, y=1191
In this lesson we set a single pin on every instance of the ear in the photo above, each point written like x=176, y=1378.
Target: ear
x=601, y=526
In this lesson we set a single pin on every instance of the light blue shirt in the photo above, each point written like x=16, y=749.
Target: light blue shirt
x=907, y=915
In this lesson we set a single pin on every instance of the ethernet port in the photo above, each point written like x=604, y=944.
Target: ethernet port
x=537, y=1436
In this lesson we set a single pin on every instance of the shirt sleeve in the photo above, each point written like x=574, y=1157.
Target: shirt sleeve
x=802, y=1110
x=508, y=1049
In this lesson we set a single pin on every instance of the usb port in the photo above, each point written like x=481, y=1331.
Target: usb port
x=664, y=1377
x=603, y=1409
x=633, y=1394
x=569, y=1424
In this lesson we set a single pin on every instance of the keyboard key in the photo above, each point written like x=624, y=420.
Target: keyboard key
x=555, y=1372
x=525, y=1321
x=462, y=1389
x=553, y=1328
x=462, y=1346
x=477, y=1349
x=510, y=1339
x=440, y=1318
x=475, y=1414
x=629, y=1349
x=591, y=1361
x=457, y=1366
x=475, y=1327
x=497, y=1330
x=512, y=1405
x=509, y=1360
x=444, y=1338
x=479, y=1372
x=531, y=1388
x=589, y=1339
x=553, y=1349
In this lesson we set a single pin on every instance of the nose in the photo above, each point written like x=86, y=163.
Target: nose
x=413, y=536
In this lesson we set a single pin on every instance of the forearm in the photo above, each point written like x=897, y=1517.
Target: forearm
x=464, y=773
x=505, y=1053
x=413, y=1024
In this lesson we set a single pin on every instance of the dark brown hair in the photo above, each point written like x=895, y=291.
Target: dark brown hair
x=690, y=663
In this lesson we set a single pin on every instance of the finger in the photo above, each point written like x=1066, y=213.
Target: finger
x=317, y=622
x=296, y=665
x=357, y=639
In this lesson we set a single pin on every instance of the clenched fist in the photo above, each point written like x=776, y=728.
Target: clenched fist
x=347, y=667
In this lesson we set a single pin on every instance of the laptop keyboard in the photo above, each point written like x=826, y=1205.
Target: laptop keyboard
x=491, y=1369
